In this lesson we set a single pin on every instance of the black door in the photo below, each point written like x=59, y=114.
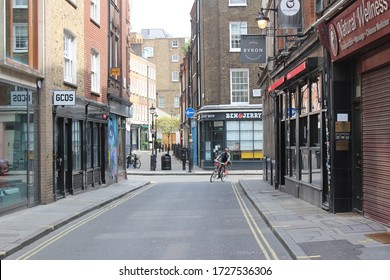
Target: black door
x=357, y=190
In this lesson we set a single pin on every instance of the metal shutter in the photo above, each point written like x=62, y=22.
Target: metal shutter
x=376, y=144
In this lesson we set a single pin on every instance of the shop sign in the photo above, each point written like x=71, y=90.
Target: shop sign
x=244, y=115
x=64, y=97
x=253, y=49
x=362, y=23
x=20, y=98
x=290, y=14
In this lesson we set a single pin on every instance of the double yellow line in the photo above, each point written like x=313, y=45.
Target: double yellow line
x=63, y=233
x=261, y=240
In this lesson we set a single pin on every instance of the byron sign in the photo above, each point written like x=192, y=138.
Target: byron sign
x=253, y=49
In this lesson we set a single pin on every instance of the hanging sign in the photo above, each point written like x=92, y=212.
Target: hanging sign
x=253, y=49
x=290, y=14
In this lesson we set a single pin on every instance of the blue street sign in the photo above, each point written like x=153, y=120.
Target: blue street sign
x=190, y=112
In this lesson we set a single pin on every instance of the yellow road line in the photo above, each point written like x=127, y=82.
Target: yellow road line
x=63, y=233
x=256, y=231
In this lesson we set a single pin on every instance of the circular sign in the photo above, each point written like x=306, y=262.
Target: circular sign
x=333, y=40
x=190, y=112
x=290, y=7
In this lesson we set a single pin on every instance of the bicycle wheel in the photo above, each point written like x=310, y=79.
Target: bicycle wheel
x=213, y=176
x=223, y=173
x=137, y=163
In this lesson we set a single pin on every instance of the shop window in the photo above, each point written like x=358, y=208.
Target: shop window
x=304, y=164
x=316, y=165
x=303, y=131
x=316, y=94
x=76, y=145
x=315, y=130
x=291, y=170
x=89, y=145
x=304, y=100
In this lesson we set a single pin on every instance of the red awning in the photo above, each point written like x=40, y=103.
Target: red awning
x=296, y=70
x=277, y=83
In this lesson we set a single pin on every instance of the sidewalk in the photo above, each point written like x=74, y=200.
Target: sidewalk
x=308, y=232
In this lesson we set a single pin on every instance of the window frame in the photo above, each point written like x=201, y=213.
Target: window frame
x=245, y=100
x=175, y=44
x=19, y=6
x=95, y=10
x=17, y=38
x=70, y=59
x=175, y=58
x=175, y=76
x=235, y=38
x=243, y=3
x=95, y=71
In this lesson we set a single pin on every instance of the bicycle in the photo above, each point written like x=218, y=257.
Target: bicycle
x=220, y=170
x=133, y=160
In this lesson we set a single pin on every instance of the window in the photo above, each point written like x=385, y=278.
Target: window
x=76, y=145
x=95, y=10
x=239, y=85
x=20, y=4
x=95, y=71
x=95, y=144
x=175, y=44
x=236, y=30
x=176, y=102
x=175, y=76
x=89, y=145
x=161, y=102
x=148, y=52
x=114, y=51
x=237, y=2
x=245, y=139
x=20, y=39
x=69, y=58
x=175, y=58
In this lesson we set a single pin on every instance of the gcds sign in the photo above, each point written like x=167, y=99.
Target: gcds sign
x=64, y=97
x=359, y=25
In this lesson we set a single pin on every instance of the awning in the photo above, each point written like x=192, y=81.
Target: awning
x=276, y=84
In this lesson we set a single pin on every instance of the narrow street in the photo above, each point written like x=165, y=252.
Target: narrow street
x=181, y=218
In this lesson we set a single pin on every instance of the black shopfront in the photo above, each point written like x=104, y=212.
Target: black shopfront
x=80, y=146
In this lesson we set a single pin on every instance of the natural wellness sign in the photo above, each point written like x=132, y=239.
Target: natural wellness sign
x=362, y=23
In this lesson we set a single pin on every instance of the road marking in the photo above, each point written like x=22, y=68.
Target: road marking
x=63, y=233
x=261, y=240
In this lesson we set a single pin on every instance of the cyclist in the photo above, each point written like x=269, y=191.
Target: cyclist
x=224, y=159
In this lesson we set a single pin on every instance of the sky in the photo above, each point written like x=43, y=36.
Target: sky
x=171, y=15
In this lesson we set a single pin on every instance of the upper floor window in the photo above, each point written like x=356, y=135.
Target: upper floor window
x=175, y=44
x=237, y=2
x=95, y=71
x=95, y=10
x=175, y=76
x=148, y=52
x=20, y=39
x=237, y=29
x=20, y=4
x=239, y=85
x=69, y=58
x=161, y=102
x=176, y=102
x=175, y=58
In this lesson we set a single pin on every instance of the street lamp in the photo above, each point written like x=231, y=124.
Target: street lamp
x=262, y=22
x=153, y=157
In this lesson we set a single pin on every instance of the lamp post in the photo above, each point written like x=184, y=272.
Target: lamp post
x=153, y=157
x=262, y=22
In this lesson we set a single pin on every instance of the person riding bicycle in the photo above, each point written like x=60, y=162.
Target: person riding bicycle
x=224, y=159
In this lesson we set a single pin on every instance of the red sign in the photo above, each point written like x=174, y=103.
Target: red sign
x=276, y=84
x=362, y=23
x=296, y=71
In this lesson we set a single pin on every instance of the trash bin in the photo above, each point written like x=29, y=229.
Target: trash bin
x=153, y=159
x=166, y=162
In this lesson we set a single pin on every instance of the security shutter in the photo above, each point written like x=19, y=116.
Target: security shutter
x=376, y=144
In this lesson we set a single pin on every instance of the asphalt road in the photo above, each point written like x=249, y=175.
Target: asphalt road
x=174, y=218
